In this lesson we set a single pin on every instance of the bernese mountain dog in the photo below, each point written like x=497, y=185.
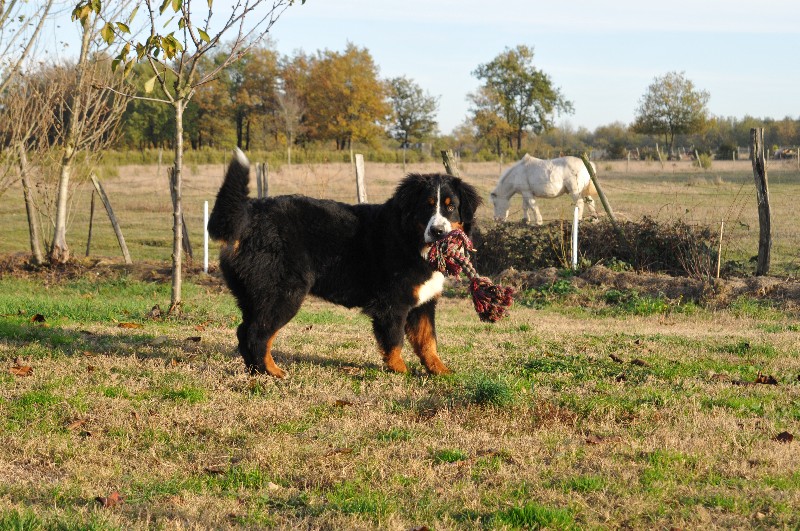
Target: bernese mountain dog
x=277, y=250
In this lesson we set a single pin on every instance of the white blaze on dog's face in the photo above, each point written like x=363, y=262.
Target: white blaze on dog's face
x=439, y=224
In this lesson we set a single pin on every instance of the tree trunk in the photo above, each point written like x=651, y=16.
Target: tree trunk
x=59, y=251
x=177, y=211
x=33, y=225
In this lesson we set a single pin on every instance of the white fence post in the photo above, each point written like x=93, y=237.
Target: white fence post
x=205, y=236
x=575, y=238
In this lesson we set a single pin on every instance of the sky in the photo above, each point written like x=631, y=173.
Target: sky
x=602, y=55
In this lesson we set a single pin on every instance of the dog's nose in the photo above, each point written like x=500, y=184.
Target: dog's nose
x=438, y=232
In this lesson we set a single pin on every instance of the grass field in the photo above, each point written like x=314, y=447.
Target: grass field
x=589, y=407
x=678, y=191
x=583, y=410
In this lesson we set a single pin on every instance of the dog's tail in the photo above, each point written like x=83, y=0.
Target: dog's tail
x=230, y=209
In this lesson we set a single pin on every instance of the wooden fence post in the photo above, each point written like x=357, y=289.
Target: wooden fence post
x=117, y=230
x=604, y=200
x=262, y=179
x=187, y=245
x=762, y=193
x=361, y=185
x=448, y=158
x=91, y=222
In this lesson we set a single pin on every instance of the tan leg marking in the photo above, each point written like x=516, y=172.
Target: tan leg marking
x=424, y=344
x=394, y=361
x=269, y=363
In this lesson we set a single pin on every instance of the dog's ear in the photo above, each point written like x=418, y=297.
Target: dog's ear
x=469, y=201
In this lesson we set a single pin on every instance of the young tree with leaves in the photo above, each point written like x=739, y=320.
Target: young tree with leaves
x=175, y=57
x=414, y=115
x=523, y=95
x=671, y=106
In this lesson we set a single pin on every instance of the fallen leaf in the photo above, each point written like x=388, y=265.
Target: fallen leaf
x=351, y=370
x=38, y=318
x=21, y=370
x=90, y=369
x=342, y=403
x=273, y=486
x=640, y=363
x=111, y=500
x=784, y=437
x=199, y=328
x=766, y=379
x=215, y=469
x=130, y=325
x=621, y=377
x=155, y=312
x=75, y=424
x=173, y=362
x=341, y=450
x=309, y=327
x=615, y=358
x=196, y=339
x=420, y=528
x=594, y=439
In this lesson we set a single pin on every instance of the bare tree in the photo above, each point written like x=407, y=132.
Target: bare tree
x=290, y=116
x=26, y=117
x=18, y=36
x=175, y=64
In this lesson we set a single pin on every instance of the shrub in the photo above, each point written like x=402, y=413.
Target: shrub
x=704, y=161
x=675, y=248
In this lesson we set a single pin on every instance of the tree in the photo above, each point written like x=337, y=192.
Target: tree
x=346, y=101
x=488, y=120
x=414, y=111
x=671, y=106
x=516, y=91
x=252, y=82
x=175, y=66
x=18, y=36
x=85, y=120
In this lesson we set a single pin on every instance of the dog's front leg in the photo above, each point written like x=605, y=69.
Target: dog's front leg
x=421, y=333
x=388, y=329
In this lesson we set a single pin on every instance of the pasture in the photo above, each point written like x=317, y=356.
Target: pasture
x=141, y=200
x=589, y=407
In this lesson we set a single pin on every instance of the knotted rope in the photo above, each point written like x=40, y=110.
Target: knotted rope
x=450, y=256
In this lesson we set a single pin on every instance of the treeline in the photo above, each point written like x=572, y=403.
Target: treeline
x=310, y=107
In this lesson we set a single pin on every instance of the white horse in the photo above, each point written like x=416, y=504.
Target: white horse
x=534, y=177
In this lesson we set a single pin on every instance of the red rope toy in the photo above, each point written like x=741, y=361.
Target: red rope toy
x=450, y=255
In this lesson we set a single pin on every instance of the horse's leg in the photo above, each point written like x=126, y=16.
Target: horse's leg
x=536, y=213
x=577, y=200
x=526, y=199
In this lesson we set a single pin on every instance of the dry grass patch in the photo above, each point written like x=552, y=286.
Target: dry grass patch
x=559, y=417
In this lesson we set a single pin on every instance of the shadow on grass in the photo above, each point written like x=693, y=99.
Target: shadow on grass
x=43, y=341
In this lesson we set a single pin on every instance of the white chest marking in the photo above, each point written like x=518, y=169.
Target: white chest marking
x=431, y=289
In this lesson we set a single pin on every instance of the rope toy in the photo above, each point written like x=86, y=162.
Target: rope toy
x=450, y=256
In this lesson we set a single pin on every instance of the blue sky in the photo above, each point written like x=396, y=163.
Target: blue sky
x=601, y=54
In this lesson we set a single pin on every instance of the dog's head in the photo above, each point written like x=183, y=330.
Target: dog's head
x=434, y=204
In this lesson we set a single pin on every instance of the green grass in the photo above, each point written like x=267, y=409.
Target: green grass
x=188, y=437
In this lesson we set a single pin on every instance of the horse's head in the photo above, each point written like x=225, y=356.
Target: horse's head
x=500, y=206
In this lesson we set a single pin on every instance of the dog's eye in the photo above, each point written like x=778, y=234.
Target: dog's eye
x=450, y=208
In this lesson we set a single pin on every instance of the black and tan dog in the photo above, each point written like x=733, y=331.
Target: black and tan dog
x=278, y=250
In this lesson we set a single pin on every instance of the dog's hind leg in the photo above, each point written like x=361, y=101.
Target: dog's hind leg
x=263, y=329
x=389, y=334
x=421, y=333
